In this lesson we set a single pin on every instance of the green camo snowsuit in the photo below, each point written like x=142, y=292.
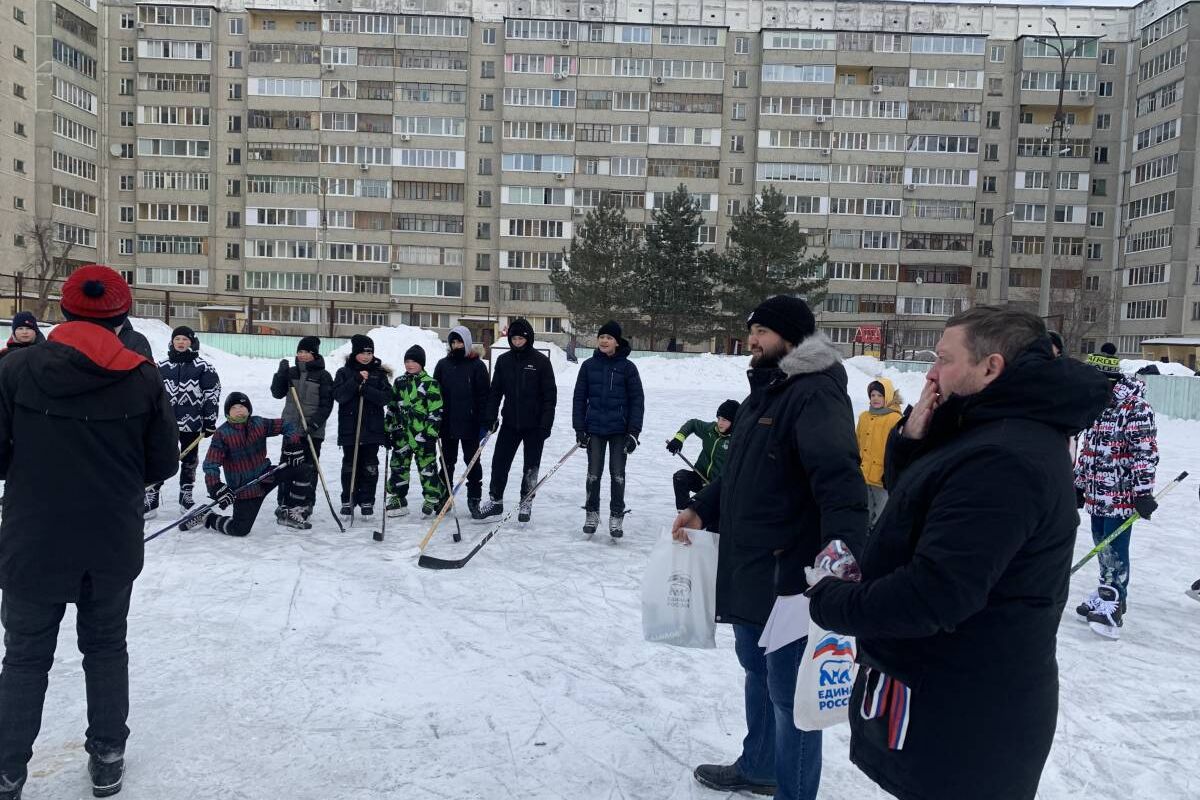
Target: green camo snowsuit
x=714, y=446
x=414, y=419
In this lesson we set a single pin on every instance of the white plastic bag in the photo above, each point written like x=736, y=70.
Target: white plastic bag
x=679, y=591
x=826, y=679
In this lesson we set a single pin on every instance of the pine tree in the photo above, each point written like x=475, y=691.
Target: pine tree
x=766, y=256
x=677, y=278
x=597, y=281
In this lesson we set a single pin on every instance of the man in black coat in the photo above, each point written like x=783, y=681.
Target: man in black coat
x=314, y=386
x=362, y=383
x=524, y=380
x=791, y=485
x=85, y=407
x=464, y=381
x=965, y=576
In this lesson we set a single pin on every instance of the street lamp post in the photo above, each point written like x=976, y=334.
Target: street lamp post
x=1057, y=132
x=1005, y=248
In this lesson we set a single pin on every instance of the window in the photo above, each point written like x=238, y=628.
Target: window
x=235, y=155
x=127, y=21
x=19, y=15
x=126, y=213
x=993, y=120
x=235, y=91
x=1099, y=187
x=1144, y=309
x=127, y=119
x=997, y=53
x=1100, y=155
x=487, y=102
x=483, y=262
x=234, y=123
x=18, y=90
x=483, y=198
x=740, y=79
x=741, y=45
x=237, y=26
x=739, y=111
x=482, y=294
x=485, y=134
x=487, y=69
x=995, y=86
x=1095, y=219
x=488, y=35
x=126, y=150
x=737, y=143
x=483, y=230
x=126, y=183
x=735, y=176
x=233, y=219
x=989, y=184
x=1095, y=252
x=1104, y=89
x=1108, y=56
x=485, y=166
x=1103, y=122
x=991, y=152
x=126, y=88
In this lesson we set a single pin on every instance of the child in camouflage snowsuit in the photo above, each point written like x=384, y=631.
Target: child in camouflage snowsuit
x=414, y=420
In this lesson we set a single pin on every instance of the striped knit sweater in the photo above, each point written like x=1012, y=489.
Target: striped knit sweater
x=193, y=389
x=241, y=449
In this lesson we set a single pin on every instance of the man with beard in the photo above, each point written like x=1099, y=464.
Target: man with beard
x=791, y=485
x=966, y=572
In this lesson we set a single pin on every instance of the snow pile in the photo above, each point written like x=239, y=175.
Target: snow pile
x=390, y=345
x=681, y=374
x=1131, y=365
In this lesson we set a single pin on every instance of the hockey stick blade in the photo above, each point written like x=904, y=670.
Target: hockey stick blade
x=1125, y=525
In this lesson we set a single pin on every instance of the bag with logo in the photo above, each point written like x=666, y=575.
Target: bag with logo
x=679, y=591
x=826, y=678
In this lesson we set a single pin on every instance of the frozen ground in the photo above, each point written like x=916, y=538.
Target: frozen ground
x=322, y=665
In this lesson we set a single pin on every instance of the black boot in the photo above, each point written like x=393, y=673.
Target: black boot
x=107, y=773
x=729, y=779
x=10, y=786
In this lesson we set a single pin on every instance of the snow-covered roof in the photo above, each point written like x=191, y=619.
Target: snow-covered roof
x=1182, y=341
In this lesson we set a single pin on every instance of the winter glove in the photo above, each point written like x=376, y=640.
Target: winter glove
x=582, y=439
x=209, y=432
x=284, y=366
x=631, y=443
x=223, y=495
x=674, y=446
x=1078, y=497
x=292, y=457
x=1145, y=505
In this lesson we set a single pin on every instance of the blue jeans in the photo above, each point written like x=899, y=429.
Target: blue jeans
x=774, y=750
x=1114, y=559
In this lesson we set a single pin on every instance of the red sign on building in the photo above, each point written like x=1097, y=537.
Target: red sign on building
x=868, y=334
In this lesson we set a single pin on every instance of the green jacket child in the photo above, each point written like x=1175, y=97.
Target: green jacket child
x=412, y=425
x=714, y=440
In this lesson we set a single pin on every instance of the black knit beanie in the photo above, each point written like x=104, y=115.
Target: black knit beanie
x=790, y=317
x=728, y=410
x=236, y=398
x=415, y=353
x=611, y=328
x=360, y=342
x=310, y=344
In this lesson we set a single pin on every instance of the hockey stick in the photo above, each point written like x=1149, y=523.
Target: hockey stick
x=449, y=498
x=445, y=507
x=354, y=464
x=204, y=509
x=312, y=449
x=387, y=460
x=1125, y=525
x=430, y=562
x=191, y=446
x=693, y=466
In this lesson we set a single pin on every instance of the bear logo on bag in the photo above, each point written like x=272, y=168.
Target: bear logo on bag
x=679, y=591
x=835, y=672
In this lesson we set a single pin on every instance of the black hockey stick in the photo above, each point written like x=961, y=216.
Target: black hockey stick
x=312, y=449
x=204, y=509
x=429, y=562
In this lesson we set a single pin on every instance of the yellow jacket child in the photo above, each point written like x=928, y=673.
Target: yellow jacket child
x=874, y=426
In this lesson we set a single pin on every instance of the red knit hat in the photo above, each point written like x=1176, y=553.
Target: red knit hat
x=96, y=293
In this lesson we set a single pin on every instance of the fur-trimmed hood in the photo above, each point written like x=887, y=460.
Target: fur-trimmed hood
x=814, y=354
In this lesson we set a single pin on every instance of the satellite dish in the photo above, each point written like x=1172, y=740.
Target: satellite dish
x=115, y=149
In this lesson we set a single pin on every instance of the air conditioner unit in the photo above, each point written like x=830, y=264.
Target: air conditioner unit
x=1083, y=93
x=910, y=187
x=821, y=119
x=579, y=211
x=364, y=167
x=659, y=80
x=876, y=89
x=141, y=26
x=827, y=151
x=558, y=76
x=406, y=137
x=565, y=43
x=560, y=176
x=396, y=267
x=329, y=67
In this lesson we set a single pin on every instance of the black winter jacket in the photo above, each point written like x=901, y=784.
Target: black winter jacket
x=315, y=386
x=84, y=409
x=964, y=581
x=194, y=389
x=791, y=482
x=376, y=391
x=134, y=341
x=524, y=380
x=465, y=386
x=608, y=395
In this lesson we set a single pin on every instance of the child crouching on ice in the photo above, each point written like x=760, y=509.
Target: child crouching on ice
x=240, y=447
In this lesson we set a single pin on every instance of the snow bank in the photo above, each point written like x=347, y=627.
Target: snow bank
x=390, y=345
x=1131, y=365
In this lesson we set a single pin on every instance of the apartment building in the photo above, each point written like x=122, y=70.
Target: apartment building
x=325, y=167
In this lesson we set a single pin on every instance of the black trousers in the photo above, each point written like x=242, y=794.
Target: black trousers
x=298, y=485
x=614, y=445
x=187, y=464
x=475, y=476
x=30, y=636
x=508, y=439
x=686, y=483
x=366, y=481
x=245, y=512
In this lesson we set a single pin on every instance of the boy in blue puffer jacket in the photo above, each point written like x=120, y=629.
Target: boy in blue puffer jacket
x=608, y=408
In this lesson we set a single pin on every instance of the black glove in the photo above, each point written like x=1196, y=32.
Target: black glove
x=223, y=495
x=284, y=365
x=313, y=430
x=292, y=457
x=631, y=443
x=209, y=432
x=674, y=446
x=1145, y=505
x=1078, y=497
x=582, y=438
